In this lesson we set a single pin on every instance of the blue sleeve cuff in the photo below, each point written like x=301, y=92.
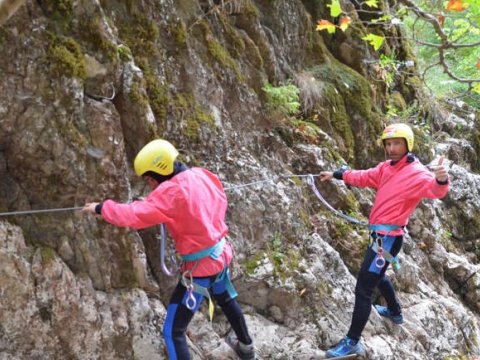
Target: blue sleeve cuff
x=98, y=208
x=338, y=174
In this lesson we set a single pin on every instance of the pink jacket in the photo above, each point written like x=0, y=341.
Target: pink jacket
x=192, y=205
x=400, y=188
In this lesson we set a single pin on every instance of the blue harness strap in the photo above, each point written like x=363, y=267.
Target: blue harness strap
x=384, y=227
x=213, y=251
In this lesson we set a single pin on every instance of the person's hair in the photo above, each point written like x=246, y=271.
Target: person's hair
x=178, y=167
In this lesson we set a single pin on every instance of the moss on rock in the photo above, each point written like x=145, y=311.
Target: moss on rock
x=187, y=109
x=348, y=96
x=48, y=255
x=141, y=35
x=65, y=58
x=92, y=34
x=218, y=52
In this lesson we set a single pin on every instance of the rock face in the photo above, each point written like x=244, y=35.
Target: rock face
x=85, y=84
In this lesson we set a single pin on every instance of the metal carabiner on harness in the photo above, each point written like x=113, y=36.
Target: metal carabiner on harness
x=162, y=237
x=191, y=301
x=380, y=261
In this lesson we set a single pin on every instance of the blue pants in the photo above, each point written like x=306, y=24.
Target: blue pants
x=179, y=316
x=369, y=278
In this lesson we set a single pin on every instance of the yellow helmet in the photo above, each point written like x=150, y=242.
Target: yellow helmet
x=157, y=156
x=399, y=131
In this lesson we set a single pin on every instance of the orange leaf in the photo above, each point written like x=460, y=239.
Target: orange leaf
x=325, y=25
x=455, y=5
x=478, y=64
x=345, y=22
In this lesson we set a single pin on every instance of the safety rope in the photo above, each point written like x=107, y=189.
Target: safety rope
x=310, y=182
x=28, y=212
x=271, y=179
x=310, y=178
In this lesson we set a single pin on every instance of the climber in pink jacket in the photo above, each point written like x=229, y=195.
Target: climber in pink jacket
x=192, y=205
x=401, y=183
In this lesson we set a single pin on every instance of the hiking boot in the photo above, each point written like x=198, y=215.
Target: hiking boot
x=244, y=351
x=385, y=312
x=345, y=347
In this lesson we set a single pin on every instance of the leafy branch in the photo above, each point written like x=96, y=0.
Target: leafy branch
x=445, y=43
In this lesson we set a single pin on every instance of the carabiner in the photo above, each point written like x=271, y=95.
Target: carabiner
x=191, y=302
x=380, y=261
x=187, y=280
x=162, y=237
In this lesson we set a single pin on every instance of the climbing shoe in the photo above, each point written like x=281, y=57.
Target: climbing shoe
x=345, y=347
x=244, y=351
x=383, y=311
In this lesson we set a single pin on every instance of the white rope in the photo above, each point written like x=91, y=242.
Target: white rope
x=28, y=212
x=272, y=179
x=310, y=182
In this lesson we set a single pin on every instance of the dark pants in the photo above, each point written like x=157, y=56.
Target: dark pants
x=179, y=316
x=371, y=276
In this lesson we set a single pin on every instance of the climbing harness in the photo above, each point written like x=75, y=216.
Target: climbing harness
x=187, y=279
x=376, y=244
x=214, y=252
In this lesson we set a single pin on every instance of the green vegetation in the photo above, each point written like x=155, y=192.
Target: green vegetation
x=70, y=133
x=284, y=98
x=251, y=10
x=124, y=52
x=60, y=10
x=218, y=52
x=178, y=29
x=140, y=34
x=65, y=58
x=138, y=97
x=462, y=62
x=187, y=109
x=157, y=93
x=48, y=255
x=253, y=262
x=446, y=36
x=284, y=260
x=94, y=36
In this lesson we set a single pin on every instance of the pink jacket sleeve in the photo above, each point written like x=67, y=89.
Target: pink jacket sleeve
x=427, y=186
x=363, y=178
x=140, y=214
